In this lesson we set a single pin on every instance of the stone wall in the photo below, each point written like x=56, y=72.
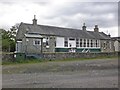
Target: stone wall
x=61, y=56
x=57, y=56
x=8, y=57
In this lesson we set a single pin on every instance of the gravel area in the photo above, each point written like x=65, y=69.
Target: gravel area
x=99, y=73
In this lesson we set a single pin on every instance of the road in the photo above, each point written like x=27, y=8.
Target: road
x=100, y=73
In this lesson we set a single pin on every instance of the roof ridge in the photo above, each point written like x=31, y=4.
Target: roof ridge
x=62, y=27
x=58, y=27
x=63, y=31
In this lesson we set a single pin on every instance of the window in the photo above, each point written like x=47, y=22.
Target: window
x=55, y=43
x=77, y=42
x=84, y=43
x=104, y=45
x=70, y=45
x=91, y=43
x=37, y=42
x=87, y=43
x=107, y=44
x=65, y=42
x=47, y=41
x=96, y=44
x=44, y=40
x=80, y=42
x=71, y=39
x=110, y=45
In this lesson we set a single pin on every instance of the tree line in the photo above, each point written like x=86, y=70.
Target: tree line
x=9, y=39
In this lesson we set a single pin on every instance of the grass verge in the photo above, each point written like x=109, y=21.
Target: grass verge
x=30, y=61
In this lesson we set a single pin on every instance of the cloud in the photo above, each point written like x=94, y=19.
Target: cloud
x=89, y=12
x=63, y=13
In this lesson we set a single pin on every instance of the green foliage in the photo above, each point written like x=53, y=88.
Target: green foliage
x=5, y=44
x=8, y=39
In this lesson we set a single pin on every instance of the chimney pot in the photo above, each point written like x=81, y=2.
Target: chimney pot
x=84, y=27
x=34, y=20
x=96, y=29
x=109, y=35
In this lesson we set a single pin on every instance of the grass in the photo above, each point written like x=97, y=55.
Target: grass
x=23, y=61
x=81, y=59
x=30, y=61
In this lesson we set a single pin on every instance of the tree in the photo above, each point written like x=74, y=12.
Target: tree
x=9, y=38
x=6, y=41
x=12, y=33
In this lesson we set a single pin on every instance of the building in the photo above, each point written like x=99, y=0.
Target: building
x=116, y=43
x=34, y=38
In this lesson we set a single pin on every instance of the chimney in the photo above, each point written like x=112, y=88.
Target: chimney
x=34, y=20
x=96, y=29
x=109, y=35
x=84, y=27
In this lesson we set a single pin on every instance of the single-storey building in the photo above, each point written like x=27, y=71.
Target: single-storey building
x=35, y=38
x=116, y=43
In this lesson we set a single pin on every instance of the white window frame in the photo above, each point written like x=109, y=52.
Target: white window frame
x=81, y=42
x=77, y=42
x=65, y=42
x=88, y=43
x=34, y=41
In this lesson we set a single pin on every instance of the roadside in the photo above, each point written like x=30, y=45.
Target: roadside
x=57, y=66
x=32, y=61
x=99, y=73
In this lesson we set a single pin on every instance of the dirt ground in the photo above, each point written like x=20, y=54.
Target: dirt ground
x=99, y=73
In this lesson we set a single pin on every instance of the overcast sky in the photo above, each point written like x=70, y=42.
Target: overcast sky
x=63, y=13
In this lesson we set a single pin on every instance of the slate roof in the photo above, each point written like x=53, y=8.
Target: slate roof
x=59, y=31
x=116, y=38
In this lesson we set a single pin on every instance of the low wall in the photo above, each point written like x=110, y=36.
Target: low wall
x=59, y=56
x=53, y=56
x=8, y=57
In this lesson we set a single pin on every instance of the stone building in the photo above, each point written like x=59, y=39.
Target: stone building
x=34, y=38
x=116, y=43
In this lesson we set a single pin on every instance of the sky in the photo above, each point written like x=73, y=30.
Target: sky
x=62, y=13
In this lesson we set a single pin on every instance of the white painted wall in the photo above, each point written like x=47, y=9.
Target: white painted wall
x=60, y=42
